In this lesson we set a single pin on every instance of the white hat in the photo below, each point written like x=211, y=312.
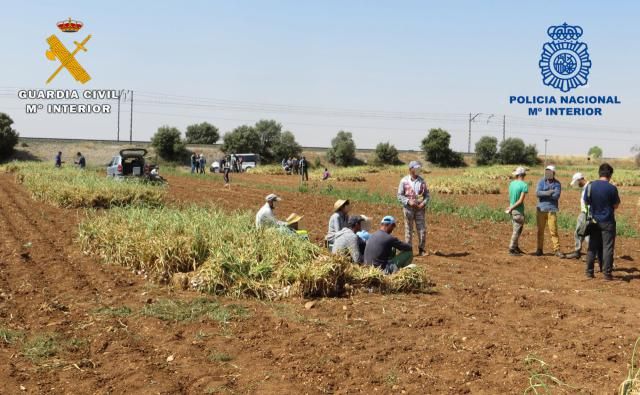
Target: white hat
x=576, y=177
x=551, y=167
x=519, y=171
x=271, y=197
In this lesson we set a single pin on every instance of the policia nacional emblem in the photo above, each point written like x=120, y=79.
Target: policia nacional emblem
x=565, y=61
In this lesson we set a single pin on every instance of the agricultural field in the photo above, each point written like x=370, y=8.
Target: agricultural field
x=118, y=287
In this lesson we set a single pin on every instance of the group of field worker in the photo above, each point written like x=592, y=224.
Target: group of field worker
x=349, y=234
x=596, y=222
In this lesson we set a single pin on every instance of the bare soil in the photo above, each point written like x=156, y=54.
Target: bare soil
x=489, y=312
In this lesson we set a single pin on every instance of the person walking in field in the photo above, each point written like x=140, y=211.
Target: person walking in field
x=80, y=161
x=338, y=220
x=58, y=160
x=225, y=174
x=265, y=216
x=548, y=192
x=603, y=200
x=193, y=162
x=518, y=190
x=304, y=169
x=381, y=246
x=413, y=193
x=348, y=242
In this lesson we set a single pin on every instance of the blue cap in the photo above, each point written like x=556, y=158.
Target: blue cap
x=388, y=220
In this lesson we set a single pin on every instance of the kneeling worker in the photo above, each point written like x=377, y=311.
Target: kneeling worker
x=347, y=240
x=379, y=250
x=265, y=216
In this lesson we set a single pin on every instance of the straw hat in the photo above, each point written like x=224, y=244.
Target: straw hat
x=293, y=218
x=339, y=203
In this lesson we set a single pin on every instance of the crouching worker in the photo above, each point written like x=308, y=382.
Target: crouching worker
x=265, y=217
x=379, y=251
x=347, y=240
x=292, y=224
x=337, y=221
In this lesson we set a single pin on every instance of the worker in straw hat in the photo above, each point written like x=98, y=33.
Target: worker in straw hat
x=265, y=216
x=518, y=190
x=292, y=224
x=548, y=192
x=338, y=220
x=413, y=193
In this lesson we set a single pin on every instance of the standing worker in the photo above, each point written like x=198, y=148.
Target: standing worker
x=193, y=162
x=80, y=161
x=603, y=200
x=304, y=171
x=226, y=170
x=580, y=181
x=518, y=190
x=548, y=192
x=59, y=159
x=413, y=193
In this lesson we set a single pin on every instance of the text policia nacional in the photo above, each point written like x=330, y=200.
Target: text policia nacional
x=573, y=105
x=84, y=102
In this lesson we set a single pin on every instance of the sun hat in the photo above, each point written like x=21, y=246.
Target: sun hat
x=576, y=177
x=414, y=164
x=339, y=203
x=293, y=218
x=272, y=197
x=519, y=171
x=551, y=167
x=388, y=220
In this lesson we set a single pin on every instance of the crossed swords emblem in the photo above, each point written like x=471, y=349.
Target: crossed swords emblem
x=67, y=59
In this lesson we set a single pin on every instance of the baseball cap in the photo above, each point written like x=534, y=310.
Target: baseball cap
x=272, y=197
x=354, y=220
x=388, y=220
x=414, y=164
x=576, y=177
x=519, y=171
x=551, y=167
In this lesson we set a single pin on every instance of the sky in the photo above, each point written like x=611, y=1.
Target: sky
x=383, y=70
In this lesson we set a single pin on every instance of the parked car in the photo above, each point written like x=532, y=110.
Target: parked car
x=249, y=161
x=129, y=163
x=215, y=167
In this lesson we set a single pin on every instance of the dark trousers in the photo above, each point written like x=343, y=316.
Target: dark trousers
x=305, y=174
x=602, y=242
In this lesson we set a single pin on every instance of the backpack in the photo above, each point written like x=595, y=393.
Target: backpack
x=589, y=222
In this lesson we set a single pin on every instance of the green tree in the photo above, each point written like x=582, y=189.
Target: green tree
x=8, y=136
x=202, y=133
x=486, y=150
x=243, y=139
x=386, y=154
x=168, y=143
x=270, y=133
x=514, y=151
x=436, y=149
x=286, y=146
x=595, y=152
x=343, y=149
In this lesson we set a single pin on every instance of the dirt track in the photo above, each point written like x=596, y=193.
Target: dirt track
x=472, y=336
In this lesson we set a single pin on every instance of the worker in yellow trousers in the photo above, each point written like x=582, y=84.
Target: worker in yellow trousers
x=548, y=193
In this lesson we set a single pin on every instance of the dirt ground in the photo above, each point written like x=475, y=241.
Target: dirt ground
x=472, y=335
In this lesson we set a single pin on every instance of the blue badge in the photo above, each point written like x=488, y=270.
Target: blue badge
x=565, y=62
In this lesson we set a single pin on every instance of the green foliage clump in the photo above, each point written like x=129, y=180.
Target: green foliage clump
x=436, y=149
x=486, y=151
x=168, y=144
x=514, y=151
x=202, y=133
x=8, y=136
x=343, y=149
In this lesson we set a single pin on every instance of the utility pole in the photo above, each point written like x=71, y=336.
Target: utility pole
x=471, y=118
x=504, y=128
x=131, y=120
x=545, y=152
x=119, y=98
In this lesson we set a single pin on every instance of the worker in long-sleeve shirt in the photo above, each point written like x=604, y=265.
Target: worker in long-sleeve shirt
x=265, y=216
x=413, y=193
x=548, y=193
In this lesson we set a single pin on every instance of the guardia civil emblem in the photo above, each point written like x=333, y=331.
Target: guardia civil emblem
x=565, y=62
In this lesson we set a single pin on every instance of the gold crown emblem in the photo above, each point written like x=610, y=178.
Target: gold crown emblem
x=69, y=26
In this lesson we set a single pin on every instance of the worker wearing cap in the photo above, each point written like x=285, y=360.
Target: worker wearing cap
x=379, y=251
x=548, y=193
x=338, y=220
x=265, y=216
x=518, y=190
x=580, y=181
x=413, y=193
x=347, y=240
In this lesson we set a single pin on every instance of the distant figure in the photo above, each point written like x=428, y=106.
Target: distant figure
x=294, y=165
x=59, y=159
x=234, y=163
x=202, y=161
x=226, y=170
x=326, y=174
x=193, y=162
x=240, y=164
x=80, y=161
x=304, y=168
